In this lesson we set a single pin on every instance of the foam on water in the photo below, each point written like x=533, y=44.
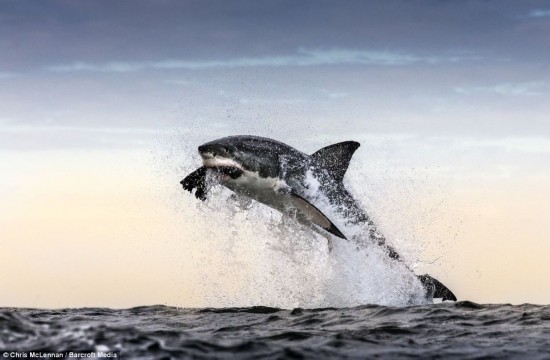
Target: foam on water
x=252, y=255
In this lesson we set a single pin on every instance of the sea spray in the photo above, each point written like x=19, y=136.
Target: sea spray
x=256, y=256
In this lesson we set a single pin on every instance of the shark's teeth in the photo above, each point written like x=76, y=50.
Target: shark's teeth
x=214, y=162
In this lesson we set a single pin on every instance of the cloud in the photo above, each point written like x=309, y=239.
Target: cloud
x=539, y=13
x=5, y=127
x=179, y=82
x=333, y=94
x=246, y=101
x=532, y=88
x=511, y=144
x=533, y=145
x=6, y=75
x=303, y=57
x=51, y=137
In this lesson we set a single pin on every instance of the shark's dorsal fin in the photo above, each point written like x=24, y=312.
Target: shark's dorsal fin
x=335, y=158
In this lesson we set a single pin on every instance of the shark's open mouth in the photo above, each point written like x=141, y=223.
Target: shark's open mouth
x=228, y=171
x=224, y=167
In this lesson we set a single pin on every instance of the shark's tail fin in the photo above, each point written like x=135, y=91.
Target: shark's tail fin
x=435, y=288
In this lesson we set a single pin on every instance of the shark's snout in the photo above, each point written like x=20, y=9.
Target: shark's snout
x=213, y=150
x=203, y=148
x=215, y=155
x=207, y=152
x=207, y=156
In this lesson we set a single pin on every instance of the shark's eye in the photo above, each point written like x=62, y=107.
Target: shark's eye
x=235, y=173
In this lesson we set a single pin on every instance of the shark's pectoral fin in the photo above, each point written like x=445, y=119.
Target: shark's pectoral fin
x=196, y=180
x=314, y=215
x=435, y=288
x=335, y=158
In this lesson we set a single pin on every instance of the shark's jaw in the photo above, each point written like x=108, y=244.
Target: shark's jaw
x=226, y=169
x=210, y=160
x=233, y=175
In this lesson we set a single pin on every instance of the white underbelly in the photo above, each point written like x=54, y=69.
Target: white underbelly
x=264, y=190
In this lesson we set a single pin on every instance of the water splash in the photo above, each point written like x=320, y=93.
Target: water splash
x=252, y=255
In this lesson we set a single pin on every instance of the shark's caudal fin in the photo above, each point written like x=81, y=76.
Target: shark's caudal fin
x=314, y=215
x=436, y=288
x=196, y=180
x=335, y=158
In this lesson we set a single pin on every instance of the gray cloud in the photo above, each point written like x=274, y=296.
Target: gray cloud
x=6, y=75
x=533, y=144
x=539, y=13
x=334, y=94
x=304, y=57
x=531, y=88
x=275, y=67
x=29, y=138
x=20, y=129
x=37, y=34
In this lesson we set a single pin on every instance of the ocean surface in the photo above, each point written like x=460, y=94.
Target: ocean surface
x=446, y=330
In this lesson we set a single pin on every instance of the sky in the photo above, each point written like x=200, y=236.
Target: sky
x=103, y=103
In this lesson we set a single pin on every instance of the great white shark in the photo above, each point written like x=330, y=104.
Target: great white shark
x=280, y=176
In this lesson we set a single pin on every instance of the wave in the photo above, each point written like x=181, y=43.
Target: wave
x=455, y=330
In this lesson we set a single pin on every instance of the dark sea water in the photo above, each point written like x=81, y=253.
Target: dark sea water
x=447, y=330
